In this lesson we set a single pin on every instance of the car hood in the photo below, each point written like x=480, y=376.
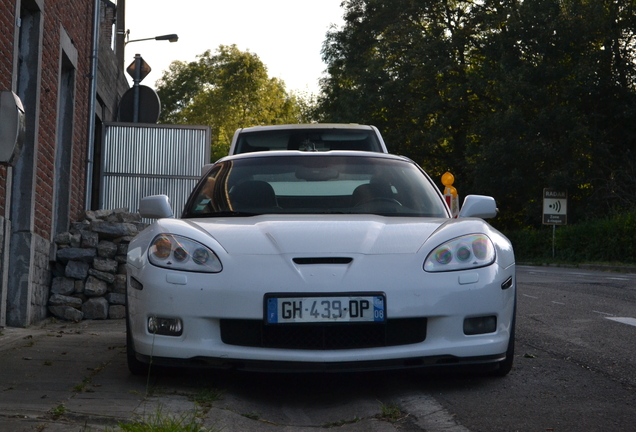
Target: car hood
x=311, y=235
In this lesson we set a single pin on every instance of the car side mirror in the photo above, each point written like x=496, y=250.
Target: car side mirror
x=155, y=207
x=479, y=206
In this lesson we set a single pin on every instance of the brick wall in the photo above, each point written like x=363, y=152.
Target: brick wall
x=66, y=24
x=75, y=16
x=7, y=20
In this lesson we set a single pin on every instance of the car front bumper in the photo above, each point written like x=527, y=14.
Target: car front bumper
x=202, y=301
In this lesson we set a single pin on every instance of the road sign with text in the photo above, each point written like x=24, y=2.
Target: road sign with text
x=555, y=207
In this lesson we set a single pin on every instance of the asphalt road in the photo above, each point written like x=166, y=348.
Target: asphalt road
x=575, y=362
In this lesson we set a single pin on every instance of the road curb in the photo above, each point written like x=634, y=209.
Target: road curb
x=596, y=267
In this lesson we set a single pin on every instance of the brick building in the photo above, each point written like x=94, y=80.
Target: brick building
x=68, y=86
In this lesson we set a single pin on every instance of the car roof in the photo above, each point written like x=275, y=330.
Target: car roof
x=332, y=153
x=304, y=127
x=307, y=126
x=288, y=153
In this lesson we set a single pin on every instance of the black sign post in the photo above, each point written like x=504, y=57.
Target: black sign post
x=138, y=70
x=140, y=104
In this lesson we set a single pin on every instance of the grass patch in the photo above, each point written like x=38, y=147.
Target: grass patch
x=160, y=422
x=390, y=412
x=58, y=411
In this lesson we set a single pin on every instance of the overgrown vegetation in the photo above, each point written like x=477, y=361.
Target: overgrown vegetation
x=608, y=240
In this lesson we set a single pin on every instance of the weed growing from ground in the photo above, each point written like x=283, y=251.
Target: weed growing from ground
x=207, y=396
x=390, y=412
x=160, y=422
x=58, y=411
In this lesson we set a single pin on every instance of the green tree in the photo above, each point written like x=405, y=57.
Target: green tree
x=403, y=65
x=511, y=96
x=555, y=103
x=227, y=90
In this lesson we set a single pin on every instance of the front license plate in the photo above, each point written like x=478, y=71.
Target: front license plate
x=325, y=309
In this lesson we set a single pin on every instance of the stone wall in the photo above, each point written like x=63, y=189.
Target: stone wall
x=89, y=278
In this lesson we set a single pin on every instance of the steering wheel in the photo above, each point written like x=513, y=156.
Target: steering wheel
x=380, y=198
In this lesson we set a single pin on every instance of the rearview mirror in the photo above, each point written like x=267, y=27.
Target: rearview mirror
x=479, y=206
x=317, y=173
x=155, y=207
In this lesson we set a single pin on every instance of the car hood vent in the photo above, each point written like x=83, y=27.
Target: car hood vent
x=326, y=260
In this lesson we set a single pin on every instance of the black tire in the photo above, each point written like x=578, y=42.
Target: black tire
x=135, y=366
x=505, y=366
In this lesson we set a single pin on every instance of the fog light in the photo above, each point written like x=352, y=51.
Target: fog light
x=480, y=325
x=165, y=326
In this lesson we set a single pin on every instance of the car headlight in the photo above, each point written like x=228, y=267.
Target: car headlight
x=462, y=253
x=180, y=253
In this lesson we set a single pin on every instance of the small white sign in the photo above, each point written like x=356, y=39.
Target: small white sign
x=555, y=207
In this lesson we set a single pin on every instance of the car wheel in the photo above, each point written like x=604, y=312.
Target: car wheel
x=134, y=366
x=505, y=366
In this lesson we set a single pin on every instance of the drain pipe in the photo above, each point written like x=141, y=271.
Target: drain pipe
x=91, y=108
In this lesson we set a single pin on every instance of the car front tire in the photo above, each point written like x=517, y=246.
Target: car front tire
x=505, y=366
x=135, y=366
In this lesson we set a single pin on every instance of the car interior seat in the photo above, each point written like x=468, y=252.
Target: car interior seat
x=253, y=193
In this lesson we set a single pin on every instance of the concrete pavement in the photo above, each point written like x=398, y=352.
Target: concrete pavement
x=61, y=376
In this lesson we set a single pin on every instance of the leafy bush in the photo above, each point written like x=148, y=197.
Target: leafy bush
x=609, y=240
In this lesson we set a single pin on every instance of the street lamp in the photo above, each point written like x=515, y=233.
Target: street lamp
x=169, y=37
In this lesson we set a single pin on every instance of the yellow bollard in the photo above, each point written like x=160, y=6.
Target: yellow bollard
x=450, y=193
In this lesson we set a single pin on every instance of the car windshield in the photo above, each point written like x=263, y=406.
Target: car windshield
x=308, y=140
x=315, y=184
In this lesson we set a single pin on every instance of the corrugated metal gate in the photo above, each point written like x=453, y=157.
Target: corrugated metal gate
x=148, y=159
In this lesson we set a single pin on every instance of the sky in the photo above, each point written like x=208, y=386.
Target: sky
x=287, y=35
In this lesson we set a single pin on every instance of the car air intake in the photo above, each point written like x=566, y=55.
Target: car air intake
x=326, y=260
x=255, y=333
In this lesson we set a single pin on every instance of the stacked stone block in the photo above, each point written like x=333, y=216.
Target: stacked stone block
x=90, y=273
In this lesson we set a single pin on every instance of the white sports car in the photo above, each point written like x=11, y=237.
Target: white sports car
x=320, y=261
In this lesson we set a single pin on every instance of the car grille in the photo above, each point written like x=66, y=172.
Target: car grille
x=254, y=333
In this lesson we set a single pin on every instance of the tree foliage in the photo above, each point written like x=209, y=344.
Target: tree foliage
x=228, y=90
x=511, y=96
